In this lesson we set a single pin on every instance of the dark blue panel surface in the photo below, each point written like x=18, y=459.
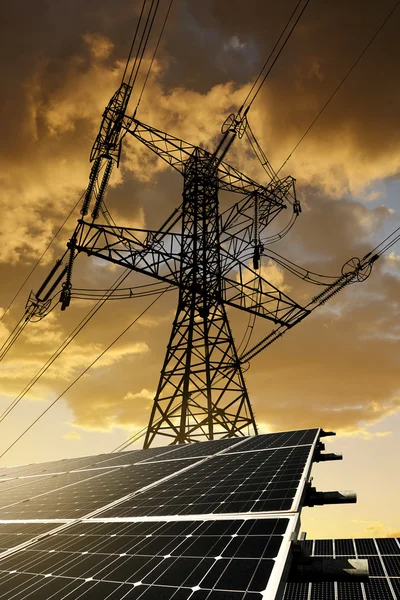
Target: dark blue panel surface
x=246, y=482
x=159, y=560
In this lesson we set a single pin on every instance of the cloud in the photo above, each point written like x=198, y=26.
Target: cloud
x=72, y=435
x=362, y=433
x=377, y=529
x=338, y=369
x=146, y=394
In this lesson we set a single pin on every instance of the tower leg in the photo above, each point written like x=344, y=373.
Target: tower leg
x=201, y=393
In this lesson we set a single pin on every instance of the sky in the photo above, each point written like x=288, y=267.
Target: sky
x=339, y=368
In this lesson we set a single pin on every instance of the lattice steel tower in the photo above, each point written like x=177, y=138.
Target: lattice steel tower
x=201, y=388
x=201, y=391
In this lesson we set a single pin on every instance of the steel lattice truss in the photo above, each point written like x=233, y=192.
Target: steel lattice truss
x=206, y=254
x=201, y=391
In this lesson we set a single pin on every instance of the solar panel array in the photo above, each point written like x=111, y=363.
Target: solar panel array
x=383, y=556
x=212, y=520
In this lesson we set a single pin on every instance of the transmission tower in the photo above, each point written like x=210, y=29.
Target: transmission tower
x=201, y=392
x=203, y=252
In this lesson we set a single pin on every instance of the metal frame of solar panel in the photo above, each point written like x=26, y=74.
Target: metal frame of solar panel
x=211, y=520
x=383, y=556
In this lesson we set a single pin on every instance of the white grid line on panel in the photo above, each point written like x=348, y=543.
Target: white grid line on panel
x=97, y=511
x=274, y=583
x=62, y=487
x=385, y=571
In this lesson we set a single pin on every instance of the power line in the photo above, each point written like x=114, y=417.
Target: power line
x=134, y=40
x=278, y=53
x=340, y=84
x=154, y=55
x=40, y=258
x=134, y=438
x=64, y=345
x=80, y=375
x=143, y=42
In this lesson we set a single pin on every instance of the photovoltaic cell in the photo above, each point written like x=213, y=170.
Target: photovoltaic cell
x=345, y=547
x=279, y=440
x=12, y=534
x=296, y=591
x=366, y=546
x=152, y=522
x=323, y=548
x=392, y=564
x=222, y=559
x=245, y=482
x=322, y=590
x=73, y=495
x=378, y=589
x=348, y=590
x=383, y=556
x=388, y=546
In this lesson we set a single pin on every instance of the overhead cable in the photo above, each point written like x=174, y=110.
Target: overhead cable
x=143, y=42
x=41, y=257
x=340, y=84
x=64, y=345
x=154, y=55
x=253, y=94
x=134, y=40
x=80, y=375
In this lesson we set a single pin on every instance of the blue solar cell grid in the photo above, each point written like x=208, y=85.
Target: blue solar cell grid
x=172, y=522
x=383, y=556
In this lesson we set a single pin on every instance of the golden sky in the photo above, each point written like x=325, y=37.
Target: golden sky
x=339, y=368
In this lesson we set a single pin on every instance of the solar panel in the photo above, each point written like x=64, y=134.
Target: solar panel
x=153, y=559
x=383, y=556
x=210, y=520
x=262, y=481
x=279, y=440
x=72, y=495
x=198, y=450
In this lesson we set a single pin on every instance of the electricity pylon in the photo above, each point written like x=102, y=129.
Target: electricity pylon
x=201, y=391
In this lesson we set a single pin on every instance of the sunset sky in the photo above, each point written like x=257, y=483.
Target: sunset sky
x=339, y=369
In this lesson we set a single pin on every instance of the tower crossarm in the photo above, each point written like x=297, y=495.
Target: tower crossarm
x=153, y=253
x=354, y=270
x=176, y=152
x=168, y=147
x=250, y=292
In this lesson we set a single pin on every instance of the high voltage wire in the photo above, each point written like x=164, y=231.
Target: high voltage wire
x=154, y=55
x=255, y=94
x=80, y=375
x=64, y=345
x=134, y=40
x=151, y=15
x=134, y=438
x=340, y=84
x=41, y=257
x=18, y=329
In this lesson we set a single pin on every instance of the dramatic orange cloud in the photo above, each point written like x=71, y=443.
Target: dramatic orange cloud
x=339, y=368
